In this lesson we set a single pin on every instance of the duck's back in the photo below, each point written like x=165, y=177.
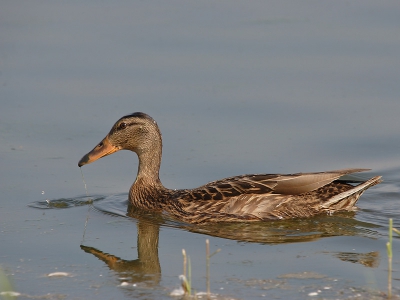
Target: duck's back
x=268, y=197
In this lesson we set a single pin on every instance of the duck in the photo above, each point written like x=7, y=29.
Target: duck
x=243, y=198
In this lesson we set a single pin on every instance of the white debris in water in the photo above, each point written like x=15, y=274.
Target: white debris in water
x=126, y=284
x=58, y=274
x=10, y=294
x=205, y=295
x=327, y=288
x=312, y=294
x=177, y=292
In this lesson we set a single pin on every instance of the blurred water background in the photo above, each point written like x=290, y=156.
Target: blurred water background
x=236, y=87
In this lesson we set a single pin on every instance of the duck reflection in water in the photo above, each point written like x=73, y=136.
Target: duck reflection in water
x=146, y=269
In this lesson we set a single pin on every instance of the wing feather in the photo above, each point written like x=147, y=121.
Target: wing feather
x=291, y=184
x=305, y=182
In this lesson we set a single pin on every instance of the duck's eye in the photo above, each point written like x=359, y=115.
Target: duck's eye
x=122, y=125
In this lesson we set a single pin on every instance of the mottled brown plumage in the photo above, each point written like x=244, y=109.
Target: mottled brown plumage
x=240, y=198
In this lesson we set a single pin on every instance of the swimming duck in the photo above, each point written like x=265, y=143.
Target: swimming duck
x=241, y=198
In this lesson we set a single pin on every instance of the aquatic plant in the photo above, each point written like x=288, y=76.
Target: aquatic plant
x=390, y=256
x=208, y=256
x=6, y=289
x=186, y=278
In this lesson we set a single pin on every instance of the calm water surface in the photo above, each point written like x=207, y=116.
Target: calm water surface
x=236, y=88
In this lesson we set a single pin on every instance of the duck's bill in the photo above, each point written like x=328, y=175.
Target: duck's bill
x=104, y=148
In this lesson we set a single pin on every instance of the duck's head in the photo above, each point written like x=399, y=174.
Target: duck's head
x=137, y=132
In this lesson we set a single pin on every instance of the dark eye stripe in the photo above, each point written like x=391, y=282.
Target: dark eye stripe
x=123, y=125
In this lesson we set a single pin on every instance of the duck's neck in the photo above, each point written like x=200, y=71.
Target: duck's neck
x=149, y=167
x=147, y=190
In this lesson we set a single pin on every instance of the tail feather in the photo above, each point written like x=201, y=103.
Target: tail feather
x=346, y=200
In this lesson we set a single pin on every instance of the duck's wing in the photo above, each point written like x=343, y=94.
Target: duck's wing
x=290, y=184
x=306, y=182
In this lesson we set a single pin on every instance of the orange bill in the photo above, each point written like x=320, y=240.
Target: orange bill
x=104, y=148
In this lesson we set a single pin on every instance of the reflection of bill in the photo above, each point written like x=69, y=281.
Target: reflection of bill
x=146, y=268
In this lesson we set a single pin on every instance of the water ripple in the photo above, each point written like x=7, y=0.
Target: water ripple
x=65, y=202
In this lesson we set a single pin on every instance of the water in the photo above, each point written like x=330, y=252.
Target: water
x=236, y=88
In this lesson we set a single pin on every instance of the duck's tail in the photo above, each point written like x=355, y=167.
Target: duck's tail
x=346, y=200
